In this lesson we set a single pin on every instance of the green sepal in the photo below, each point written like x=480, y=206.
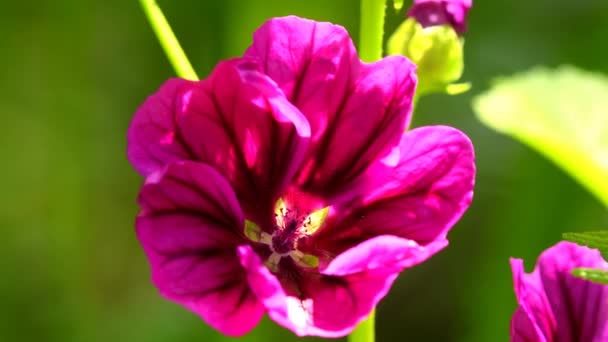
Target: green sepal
x=253, y=231
x=436, y=50
x=596, y=276
x=305, y=260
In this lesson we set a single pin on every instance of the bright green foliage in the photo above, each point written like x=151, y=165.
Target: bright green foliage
x=596, y=276
x=371, y=30
x=597, y=240
x=436, y=50
x=562, y=113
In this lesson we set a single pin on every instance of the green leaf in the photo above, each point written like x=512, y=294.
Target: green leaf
x=562, y=113
x=596, y=276
x=597, y=240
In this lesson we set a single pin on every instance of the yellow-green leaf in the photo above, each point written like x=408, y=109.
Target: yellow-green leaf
x=597, y=240
x=562, y=113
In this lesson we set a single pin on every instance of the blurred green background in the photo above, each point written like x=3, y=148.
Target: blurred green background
x=73, y=72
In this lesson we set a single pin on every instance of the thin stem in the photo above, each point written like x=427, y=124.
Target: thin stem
x=168, y=41
x=365, y=332
x=370, y=49
x=372, y=29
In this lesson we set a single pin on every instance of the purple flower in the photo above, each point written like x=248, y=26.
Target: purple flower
x=556, y=306
x=284, y=183
x=442, y=12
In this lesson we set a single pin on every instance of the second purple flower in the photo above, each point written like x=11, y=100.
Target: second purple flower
x=556, y=306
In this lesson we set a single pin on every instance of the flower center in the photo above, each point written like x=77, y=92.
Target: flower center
x=283, y=243
x=289, y=227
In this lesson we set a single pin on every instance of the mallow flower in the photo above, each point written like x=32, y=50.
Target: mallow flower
x=284, y=183
x=555, y=306
x=442, y=12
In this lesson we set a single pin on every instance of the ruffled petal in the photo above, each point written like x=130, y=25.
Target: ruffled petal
x=240, y=122
x=357, y=111
x=557, y=305
x=152, y=141
x=382, y=253
x=523, y=329
x=580, y=307
x=354, y=282
x=190, y=226
x=418, y=193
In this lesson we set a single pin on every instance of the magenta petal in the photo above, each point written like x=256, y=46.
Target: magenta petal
x=370, y=122
x=523, y=329
x=309, y=60
x=152, y=138
x=354, y=282
x=558, y=305
x=385, y=252
x=299, y=314
x=533, y=320
x=580, y=307
x=190, y=226
x=417, y=193
x=357, y=111
x=240, y=122
x=282, y=308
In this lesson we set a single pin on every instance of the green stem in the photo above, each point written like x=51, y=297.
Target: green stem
x=365, y=331
x=372, y=29
x=370, y=49
x=168, y=41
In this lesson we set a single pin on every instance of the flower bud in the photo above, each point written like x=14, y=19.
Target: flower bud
x=441, y=12
x=436, y=50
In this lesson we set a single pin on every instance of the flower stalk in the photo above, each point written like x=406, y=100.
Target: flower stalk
x=371, y=29
x=370, y=49
x=365, y=331
x=168, y=41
